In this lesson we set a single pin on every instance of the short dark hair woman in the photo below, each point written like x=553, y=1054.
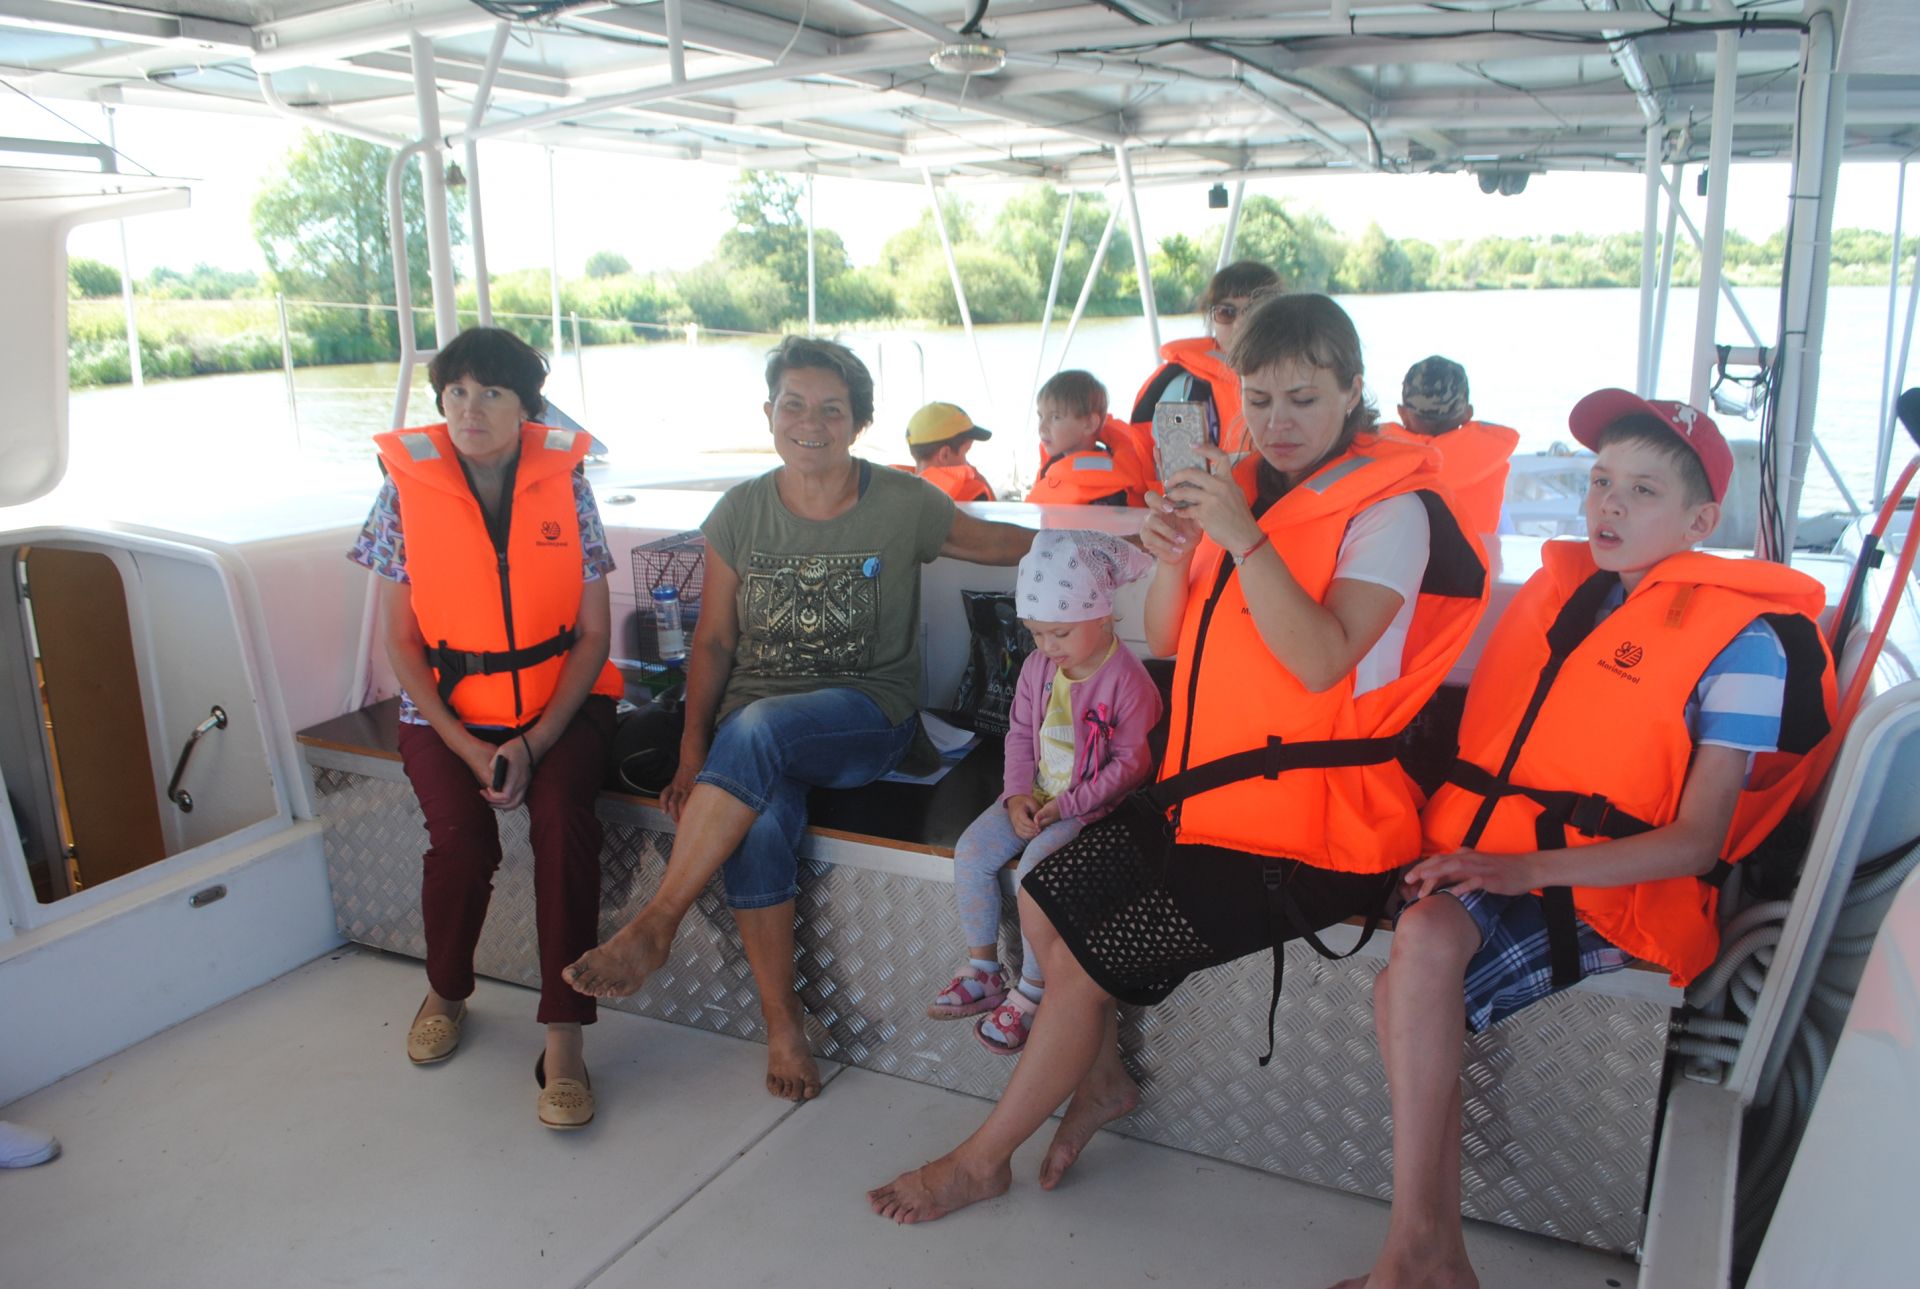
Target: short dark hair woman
x=494, y=595
x=804, y=673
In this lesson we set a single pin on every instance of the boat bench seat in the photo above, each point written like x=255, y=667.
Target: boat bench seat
x=1561, y=1101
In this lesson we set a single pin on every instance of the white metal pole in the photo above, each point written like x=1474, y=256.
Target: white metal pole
x=1649, y=288
x=1803, y=252
x=482, y=95
x=553, y=251
x=1726, y=79
x=1233, y=226
x=1667, y=244
x=433, y=174
x=812, y=312
x=1086, y=287
x=1889, y=388
x=676, y=43
x=286, y=365
x=1140, y=265
x=402, y=277
x=1053, y=292
x=126, y=273
x=580, y=365
x=959, y=290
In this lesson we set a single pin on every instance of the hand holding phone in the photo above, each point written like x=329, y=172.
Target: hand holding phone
x=1179, y=429
x=499, y=772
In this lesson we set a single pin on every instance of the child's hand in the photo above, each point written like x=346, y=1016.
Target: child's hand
x=1020, y=811
x=1471, y=870
x=1048, y=815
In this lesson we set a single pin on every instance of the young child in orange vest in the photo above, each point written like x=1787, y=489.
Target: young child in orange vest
x=1641, y=714
x=1436, y=411
x=1083, y=463
x=1077, y=739
x=939, y=436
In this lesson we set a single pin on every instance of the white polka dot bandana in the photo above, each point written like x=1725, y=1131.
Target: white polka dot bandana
x=1071, y=574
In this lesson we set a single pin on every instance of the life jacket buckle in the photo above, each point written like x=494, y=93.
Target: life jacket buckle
x=1273, y=767
x=1589, y=815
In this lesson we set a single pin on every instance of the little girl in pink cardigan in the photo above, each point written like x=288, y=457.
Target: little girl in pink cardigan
x=1076, y=744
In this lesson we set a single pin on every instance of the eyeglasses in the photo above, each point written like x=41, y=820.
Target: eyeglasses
x=1224, y=315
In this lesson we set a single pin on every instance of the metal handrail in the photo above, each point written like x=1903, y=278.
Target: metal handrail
x=217, y=719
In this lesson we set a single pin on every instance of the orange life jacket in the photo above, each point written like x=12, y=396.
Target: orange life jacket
x=1108, y=474
x=1231, y=695
x=1607, y=750
x=492, y=667
x=1199, y=358
x=961, y=482
x=1473, y=462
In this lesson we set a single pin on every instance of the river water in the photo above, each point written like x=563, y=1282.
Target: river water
x=672, y=410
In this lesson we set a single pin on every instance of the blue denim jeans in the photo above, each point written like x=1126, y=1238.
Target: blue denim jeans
x=769, y=753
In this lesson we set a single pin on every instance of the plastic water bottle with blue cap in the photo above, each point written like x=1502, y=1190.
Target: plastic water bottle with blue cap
x=669, y=639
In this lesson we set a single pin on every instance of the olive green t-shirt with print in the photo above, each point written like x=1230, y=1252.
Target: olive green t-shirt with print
x=835, y=602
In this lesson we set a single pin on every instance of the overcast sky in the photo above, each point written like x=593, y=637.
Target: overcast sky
x=668, y=215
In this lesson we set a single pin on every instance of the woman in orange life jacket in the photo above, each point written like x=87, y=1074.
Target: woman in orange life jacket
x=1196, y=370
x=494, y=598
x=1315, y=596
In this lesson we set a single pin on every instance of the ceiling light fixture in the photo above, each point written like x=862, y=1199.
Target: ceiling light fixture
x=968, y=59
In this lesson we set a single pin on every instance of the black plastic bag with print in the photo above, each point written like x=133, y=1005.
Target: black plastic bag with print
x=997, y=646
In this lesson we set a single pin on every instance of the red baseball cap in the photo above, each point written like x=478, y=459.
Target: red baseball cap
x=1696, y=429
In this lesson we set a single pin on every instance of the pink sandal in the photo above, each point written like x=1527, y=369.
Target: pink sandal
x=1007, y=1029
x=968, y=994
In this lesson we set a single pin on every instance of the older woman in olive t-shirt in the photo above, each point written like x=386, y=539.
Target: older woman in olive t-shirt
x=804, y=673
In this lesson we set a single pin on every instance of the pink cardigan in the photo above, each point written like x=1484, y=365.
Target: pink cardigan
x=1114, y=709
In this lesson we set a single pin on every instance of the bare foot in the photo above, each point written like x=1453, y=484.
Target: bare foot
x=621, y=965
x=1092, y=1108
x=936, y=1190
x=1431, y=1266
x=791, y=1072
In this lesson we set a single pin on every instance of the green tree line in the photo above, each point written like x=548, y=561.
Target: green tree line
x=321, y=223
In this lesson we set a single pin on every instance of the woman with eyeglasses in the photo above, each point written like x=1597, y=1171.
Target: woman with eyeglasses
x=1195, y=370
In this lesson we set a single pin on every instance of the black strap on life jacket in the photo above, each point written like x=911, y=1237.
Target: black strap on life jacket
x=1270, y=762
x=455, y=665
x=1570, y=626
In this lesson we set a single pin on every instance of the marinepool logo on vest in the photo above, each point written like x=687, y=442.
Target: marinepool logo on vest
x=1626, y=657
x=550, y=532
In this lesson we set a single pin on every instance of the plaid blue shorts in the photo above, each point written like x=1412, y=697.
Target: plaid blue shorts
x=1514, y=968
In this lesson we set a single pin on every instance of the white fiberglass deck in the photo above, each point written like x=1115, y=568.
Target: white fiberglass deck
x=282, y=1139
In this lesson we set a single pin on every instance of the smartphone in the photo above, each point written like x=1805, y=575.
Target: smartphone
x=1178, y=431
x=499, y=773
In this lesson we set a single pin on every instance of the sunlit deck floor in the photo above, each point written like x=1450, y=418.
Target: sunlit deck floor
x=282, y=1139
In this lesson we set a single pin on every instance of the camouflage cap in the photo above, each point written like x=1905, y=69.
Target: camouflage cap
x=1436, y=389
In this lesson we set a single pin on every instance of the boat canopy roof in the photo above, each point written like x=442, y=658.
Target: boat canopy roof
x=1008, y=90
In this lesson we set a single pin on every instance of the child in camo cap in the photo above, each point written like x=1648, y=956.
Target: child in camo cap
x=1076, y=744
x=1436, y=411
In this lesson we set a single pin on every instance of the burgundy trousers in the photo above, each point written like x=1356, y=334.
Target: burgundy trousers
x=463, y=850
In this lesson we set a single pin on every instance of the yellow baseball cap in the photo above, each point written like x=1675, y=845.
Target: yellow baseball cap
x=938, y=422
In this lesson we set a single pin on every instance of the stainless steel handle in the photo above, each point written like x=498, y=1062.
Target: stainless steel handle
x=216, y=720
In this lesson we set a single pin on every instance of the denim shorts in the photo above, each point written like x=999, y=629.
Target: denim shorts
x=769, y=753
x=1514, y=967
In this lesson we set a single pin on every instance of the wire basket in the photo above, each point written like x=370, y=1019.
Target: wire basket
x=679, y=561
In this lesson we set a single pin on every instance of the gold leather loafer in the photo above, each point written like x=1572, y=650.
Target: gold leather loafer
x=564, y=1103
x=434, y=1038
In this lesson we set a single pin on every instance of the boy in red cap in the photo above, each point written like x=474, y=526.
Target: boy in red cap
x=1640, y=718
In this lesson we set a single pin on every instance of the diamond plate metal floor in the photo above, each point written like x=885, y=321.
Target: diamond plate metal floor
x=1560, y=1103
x=283, y=1139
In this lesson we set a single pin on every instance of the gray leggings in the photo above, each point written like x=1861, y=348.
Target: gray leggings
x=983, y=849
